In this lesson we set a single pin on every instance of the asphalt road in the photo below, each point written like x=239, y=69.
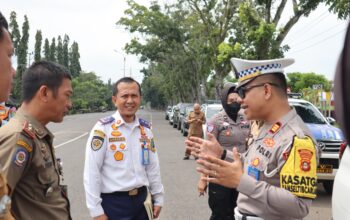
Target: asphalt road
x=179, y=177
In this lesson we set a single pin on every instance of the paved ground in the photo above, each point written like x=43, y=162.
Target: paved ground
x=179, y=177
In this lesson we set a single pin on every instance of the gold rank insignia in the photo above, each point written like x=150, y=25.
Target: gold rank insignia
x=99, y=133
x=118, y=156
x=24, y=144
x=116, y=139
x=275, y=127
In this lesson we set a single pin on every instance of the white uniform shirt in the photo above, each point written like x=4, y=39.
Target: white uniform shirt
x=113, y=161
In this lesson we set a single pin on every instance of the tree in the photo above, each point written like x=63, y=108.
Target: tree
x=53, y=51
x=14, y=29
x=47, y=49
x=299, y=81
x=59, y=50
x=65, y=51
x=22, y=51
x=38, y=43
x=74, y=63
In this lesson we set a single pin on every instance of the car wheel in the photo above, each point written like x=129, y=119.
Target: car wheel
x=185, y=134
x=328, y=186
x=174, y=125
x=178, y=125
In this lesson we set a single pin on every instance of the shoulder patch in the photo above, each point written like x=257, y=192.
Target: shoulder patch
x=96, y=143
x=107, y=120
x=144, y=123
x=28, y=130
x=20, y=157
x=25, y=145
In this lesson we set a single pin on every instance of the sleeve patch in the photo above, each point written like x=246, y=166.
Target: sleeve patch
x=96, y=143
x=25, y=145
x=20, y=157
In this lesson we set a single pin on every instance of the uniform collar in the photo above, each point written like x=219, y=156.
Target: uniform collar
x=119, y=121
x=274, y=128
x=40, y=130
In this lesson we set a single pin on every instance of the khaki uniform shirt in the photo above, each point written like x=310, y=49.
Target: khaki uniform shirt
x=4, y=191
x=229, y=133
x=196, y=128
x=264, y=197
x=31, y=169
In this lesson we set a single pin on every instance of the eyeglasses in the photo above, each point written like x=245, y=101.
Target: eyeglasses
x=243, y=90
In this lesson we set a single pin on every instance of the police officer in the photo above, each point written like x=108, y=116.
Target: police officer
x=27, y=153
x=230, y=128
x=7, y=74
x=121, y=162
x=277, y=179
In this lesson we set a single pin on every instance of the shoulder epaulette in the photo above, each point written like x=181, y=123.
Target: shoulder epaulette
x=144, y=123
x=107, y=120
x=28, y=130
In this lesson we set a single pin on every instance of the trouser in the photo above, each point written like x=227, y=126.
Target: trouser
x=122, y=206
x=188, y=152
x=222, y=202
x=242, y=216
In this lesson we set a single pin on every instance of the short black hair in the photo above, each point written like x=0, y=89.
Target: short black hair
x=42, y=73
x=125, y=80
x=276, y=78
x=3, y=25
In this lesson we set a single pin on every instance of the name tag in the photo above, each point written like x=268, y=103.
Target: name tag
x=145, y=156
x=254, y=172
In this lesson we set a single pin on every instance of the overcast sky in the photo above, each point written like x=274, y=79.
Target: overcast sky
x=315, y=41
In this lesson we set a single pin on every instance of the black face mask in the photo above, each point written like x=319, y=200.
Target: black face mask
x=232, y=110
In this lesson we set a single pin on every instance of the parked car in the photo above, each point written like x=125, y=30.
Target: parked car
x=171, y=115
x=184, y=124
x=167, y=112
x=329, y=140
x=179, y=111
x=210, y=110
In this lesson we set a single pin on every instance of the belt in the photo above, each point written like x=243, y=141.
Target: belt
x=244, y=216
x=133, y=192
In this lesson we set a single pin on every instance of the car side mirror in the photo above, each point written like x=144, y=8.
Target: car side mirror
x=331, y=120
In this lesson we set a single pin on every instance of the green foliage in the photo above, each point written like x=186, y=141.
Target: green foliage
x=59, y=50
x=14, y=30
x=53, y=52
x=38, y=43
x=300, y=81
x=22, y=51
x=90, y=93
x=65, y=51
x=47, y=49
x=339, y=7
x=74, y=63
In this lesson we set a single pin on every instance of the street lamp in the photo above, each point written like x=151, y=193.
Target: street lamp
x=124, y=56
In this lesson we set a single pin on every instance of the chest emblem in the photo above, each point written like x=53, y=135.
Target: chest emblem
x=269, y=142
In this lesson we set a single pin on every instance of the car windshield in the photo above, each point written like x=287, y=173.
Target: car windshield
x=211, y=111
x=308, y=113
x=188, y=110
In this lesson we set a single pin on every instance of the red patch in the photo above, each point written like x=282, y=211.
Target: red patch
x=275, y=127
x=269, y=142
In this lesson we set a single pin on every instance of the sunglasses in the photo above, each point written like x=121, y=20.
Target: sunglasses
x=244, y=89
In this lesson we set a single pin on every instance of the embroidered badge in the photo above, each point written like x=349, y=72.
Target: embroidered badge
x=143, y=132
x=24, y=144
x=116, y=133
x=119, y=122
x=210, y=127
x=28, y=130
x=118, y=156
x=275, y=127
x=305, y=162
x=96, y=142
x=144, y=123
x=114, y=126
x=107, y=120
x=113, y=147
x=269, y=142
x=256, y=162
x=116, y=139
x=20, y=157
x=99, y=133
x=122, y=146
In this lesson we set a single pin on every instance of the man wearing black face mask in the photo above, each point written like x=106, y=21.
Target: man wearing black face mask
x=230, y=128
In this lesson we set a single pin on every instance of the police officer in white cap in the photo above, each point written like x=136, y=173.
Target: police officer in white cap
x=276, y=177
